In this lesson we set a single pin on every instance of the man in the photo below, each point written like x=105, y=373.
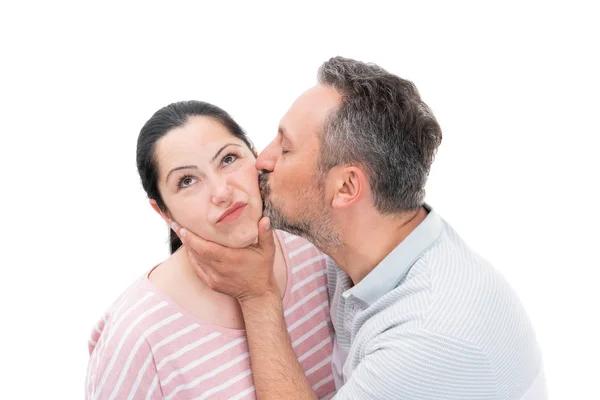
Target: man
x=416, y=313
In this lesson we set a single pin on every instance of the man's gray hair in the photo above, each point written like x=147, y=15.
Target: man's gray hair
x=382, y=125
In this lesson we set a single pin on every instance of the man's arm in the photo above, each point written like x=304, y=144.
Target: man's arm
x=277, y=372
x=275, y=367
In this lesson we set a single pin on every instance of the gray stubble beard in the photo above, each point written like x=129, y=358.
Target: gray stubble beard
x=313, y=225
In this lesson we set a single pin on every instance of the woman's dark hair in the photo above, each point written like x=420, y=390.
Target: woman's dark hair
x=173, y=116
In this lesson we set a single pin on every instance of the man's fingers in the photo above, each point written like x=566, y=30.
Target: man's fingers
x=202, y=247
x=198, y=268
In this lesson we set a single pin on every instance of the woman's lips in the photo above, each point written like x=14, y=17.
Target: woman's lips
x=232, y=212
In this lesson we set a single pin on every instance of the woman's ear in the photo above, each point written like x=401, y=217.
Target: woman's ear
x=255, y=152
x=164, y=215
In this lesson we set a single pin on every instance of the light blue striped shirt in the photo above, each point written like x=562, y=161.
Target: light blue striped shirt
x=433, y=320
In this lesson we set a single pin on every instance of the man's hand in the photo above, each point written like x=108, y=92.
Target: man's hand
x=247, y=275
x=241, y=273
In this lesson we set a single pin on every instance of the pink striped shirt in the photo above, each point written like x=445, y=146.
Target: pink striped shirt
x=147, y=347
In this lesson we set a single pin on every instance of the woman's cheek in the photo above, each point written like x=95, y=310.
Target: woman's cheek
x=194, y=218
x=251, y=178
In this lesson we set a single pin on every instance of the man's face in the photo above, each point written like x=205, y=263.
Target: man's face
x=292, y=197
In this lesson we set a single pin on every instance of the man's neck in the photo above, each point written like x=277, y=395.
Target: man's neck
x=368, y=237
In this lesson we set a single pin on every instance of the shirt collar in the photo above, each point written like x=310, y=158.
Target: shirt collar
x=388, y=273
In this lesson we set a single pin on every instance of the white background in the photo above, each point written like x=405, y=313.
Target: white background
x=514, y=86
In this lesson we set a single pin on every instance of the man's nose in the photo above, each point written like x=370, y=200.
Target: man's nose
x=266, y=159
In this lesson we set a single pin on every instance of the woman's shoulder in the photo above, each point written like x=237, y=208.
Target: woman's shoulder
x=119, y=339
x=129, y=315
x=296, y=246
x=304, y=261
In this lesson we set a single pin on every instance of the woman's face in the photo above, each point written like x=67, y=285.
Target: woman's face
x=209, y=183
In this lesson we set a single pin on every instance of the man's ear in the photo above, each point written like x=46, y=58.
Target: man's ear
x=349, y=185
x=163, y=214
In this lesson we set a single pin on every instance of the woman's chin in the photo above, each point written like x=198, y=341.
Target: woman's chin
x=238, y=243
x=242, y=238
x=246, y=243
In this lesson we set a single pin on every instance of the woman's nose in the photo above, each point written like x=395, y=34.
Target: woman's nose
x=221, y=192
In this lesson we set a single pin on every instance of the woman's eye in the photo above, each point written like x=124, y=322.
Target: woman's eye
x=186, y=181
x=228, y=159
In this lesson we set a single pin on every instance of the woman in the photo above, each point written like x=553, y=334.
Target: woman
x=169, y=336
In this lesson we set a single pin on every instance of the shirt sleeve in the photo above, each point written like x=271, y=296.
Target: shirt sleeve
x=421, y=365
x=123, y=372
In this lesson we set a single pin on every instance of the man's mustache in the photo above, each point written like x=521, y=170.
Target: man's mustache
x=263, y=183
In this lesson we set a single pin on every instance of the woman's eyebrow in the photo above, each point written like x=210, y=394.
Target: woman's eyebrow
x=223, y=148
x=179, y=168
x=195, y=167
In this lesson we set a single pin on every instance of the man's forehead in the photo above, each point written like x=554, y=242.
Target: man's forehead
x=309, y=110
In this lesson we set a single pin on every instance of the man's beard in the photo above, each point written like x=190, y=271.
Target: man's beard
x=312, y=222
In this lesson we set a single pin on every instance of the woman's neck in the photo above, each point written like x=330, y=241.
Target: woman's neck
x=177, y=278
x=187, y=267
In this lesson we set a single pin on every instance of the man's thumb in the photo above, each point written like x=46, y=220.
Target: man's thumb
x=265, y=234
